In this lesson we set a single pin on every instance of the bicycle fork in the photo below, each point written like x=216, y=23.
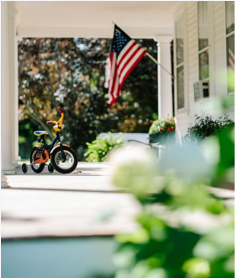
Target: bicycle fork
x=63, y=156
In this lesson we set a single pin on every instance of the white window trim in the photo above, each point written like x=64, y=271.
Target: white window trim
x=209, y=47
x=226, y=66
x=183, y=111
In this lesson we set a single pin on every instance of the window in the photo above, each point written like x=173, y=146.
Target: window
x=203, y=40
x=230, y=30
x=179, y=44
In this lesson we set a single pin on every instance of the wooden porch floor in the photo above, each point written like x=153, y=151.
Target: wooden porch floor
x=83, y=203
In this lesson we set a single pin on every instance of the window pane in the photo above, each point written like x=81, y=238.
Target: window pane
x=179, y=31
x=202, y=25
x=204, y=65
x=230, y=62
x=180, y=87
x=229, y=6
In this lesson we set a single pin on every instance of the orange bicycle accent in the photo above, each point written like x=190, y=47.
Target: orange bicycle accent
x=58, y=147
x=40, y=156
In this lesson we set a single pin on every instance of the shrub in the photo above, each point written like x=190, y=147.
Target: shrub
x=162, y=125
x=99, y=148
x=170, y=241
x=205, y=126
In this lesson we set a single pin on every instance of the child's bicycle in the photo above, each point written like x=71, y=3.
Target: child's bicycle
x=62, y=157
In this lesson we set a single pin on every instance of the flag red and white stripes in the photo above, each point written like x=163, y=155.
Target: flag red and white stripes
x=231, y=59
x=125, y=55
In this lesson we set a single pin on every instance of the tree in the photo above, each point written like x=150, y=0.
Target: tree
x=70, y=73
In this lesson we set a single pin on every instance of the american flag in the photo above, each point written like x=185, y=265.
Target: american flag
x=231, y=59
x=125, y=55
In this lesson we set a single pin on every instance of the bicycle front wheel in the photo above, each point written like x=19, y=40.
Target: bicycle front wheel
x=66, y=164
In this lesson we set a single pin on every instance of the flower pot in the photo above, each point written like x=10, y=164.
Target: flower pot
x=167, y=138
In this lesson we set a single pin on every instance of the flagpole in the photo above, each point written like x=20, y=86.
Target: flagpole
x=159, y=64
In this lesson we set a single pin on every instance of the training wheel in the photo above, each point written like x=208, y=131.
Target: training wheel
x=24, y=168
x=50, y=168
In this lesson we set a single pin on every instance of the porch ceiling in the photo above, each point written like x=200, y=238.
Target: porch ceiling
x=140, y=19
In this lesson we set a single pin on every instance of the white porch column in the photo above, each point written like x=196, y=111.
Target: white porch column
x=164, y=79
x=9, y=89
x=4, y=182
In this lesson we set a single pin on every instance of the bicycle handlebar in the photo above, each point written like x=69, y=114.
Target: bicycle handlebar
x=58, y=124
x=60, y=110
x=50, y=122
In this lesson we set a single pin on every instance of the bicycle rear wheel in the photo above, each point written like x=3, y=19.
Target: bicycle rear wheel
x=37, y=168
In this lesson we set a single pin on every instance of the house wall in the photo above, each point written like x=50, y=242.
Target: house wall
x=217, y=63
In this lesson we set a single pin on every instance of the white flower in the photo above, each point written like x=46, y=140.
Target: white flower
x=134, y=169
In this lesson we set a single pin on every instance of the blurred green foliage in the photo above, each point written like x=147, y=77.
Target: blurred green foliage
x=185, y=231
x=70, y=73
x=26, y=137
x=100, y=147
x=219, y=151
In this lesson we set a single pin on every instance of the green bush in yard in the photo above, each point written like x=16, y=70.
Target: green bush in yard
x=99, y=148
x=205, y=126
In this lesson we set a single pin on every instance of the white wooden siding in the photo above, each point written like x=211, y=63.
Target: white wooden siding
x=219, y=45
x=192, y=64
x=218, y=71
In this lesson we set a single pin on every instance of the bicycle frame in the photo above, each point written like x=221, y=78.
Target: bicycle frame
x=46, y=150
x=50, y=148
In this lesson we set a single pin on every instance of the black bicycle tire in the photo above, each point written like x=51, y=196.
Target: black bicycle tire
x=24, y=168
x=60, y=170
x=41, y=167
x=50, y=168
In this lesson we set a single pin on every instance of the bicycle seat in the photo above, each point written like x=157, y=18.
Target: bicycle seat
x=40, y=133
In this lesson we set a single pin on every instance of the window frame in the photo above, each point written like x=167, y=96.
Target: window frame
x=182, y=111
x=209, y=48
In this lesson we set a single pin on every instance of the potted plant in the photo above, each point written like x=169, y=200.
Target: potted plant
x=162, y=131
